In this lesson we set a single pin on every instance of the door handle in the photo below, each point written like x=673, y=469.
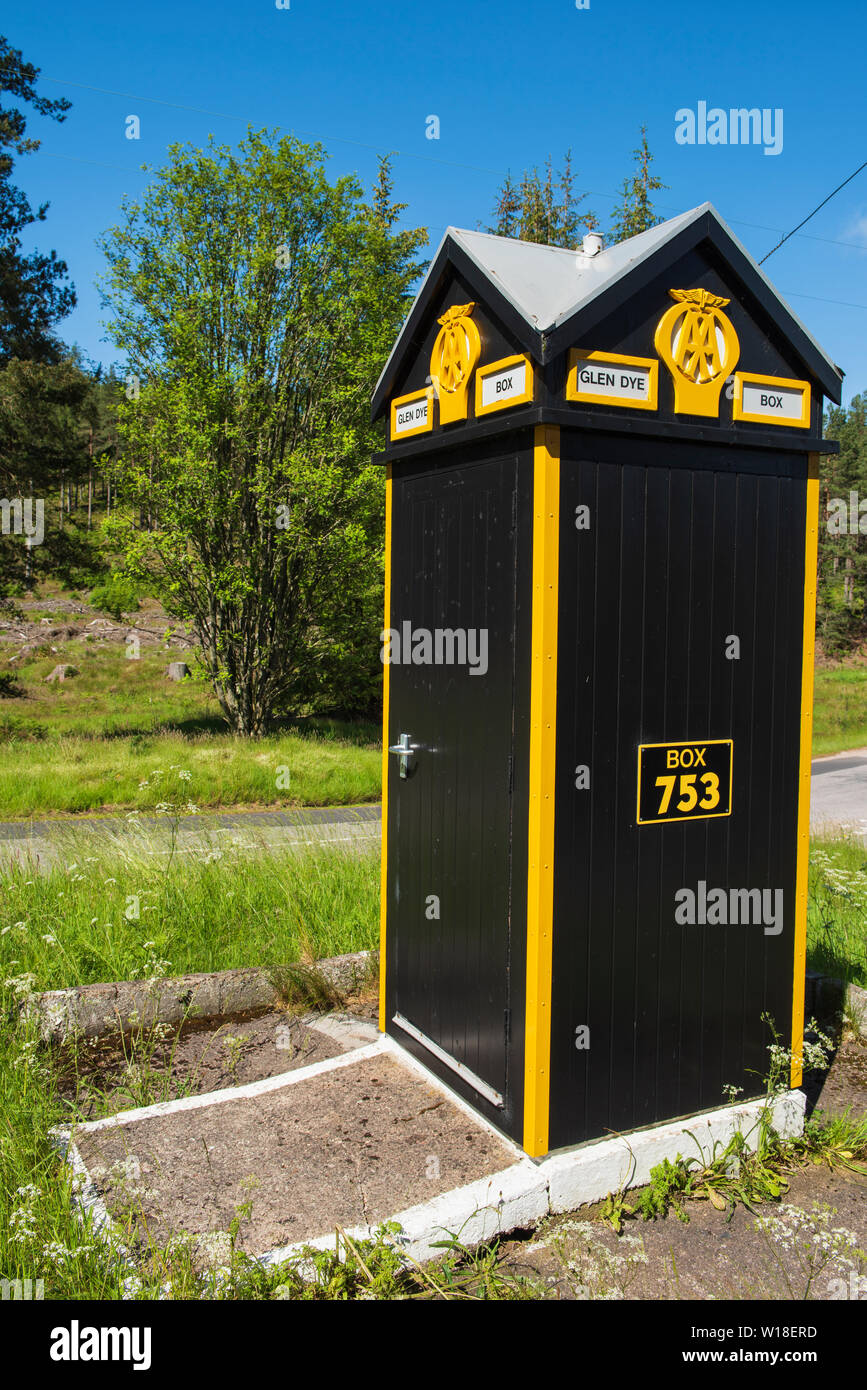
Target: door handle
x=404, y=750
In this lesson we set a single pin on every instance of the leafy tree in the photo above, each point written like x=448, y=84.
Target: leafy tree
x=543, y=209
x=635, y=212
x=33, y=295
x=256, y=303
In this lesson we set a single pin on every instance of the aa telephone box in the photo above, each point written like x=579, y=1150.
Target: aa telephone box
x=602, y=511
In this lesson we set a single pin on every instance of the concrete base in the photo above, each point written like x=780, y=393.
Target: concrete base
x=529, y=1190
x=508, y=1197
x=588, y=1173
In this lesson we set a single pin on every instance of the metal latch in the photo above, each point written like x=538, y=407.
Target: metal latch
x=404, y=750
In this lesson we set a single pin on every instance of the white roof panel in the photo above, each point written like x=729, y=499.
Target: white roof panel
x=547, y=284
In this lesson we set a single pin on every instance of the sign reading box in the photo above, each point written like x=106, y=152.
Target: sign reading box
x=504, y=383
x=412, y=414
x=771, y=400
x=607, y=378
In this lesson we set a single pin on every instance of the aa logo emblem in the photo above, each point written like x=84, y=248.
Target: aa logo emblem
x=455, y=353
x=698, y=344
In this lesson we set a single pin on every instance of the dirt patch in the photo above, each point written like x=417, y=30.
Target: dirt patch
x=343, y=1148
x=356, y=1145
x=169, y=1061
x=150, y=624
x=844, y=1085
x=710, y=1257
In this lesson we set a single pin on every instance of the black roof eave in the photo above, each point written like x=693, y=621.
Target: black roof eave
x=453, y=256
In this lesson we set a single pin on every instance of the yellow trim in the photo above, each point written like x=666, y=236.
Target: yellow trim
x=491, y=369
x=800, y=962
x=383, y=862
x=577, y=355
x=426, y=393
x=543, y=725
x=788, y=383
x=686, y=743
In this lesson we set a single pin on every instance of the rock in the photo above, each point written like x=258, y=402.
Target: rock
x=62, y=672
x=177, y=670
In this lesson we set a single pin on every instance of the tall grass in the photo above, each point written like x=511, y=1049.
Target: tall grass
x=837, y=909
x=41, y=1236
x=120, y=913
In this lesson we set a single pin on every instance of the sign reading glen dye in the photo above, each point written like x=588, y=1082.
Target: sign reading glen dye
x=411, y=414
x=606, y=378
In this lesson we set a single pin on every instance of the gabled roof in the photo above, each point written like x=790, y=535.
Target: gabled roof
x=544, y=294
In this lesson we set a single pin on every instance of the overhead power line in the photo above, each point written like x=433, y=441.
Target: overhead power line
x=813, y=213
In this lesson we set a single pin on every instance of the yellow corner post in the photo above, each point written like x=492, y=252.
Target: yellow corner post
x=543, y=729
x=811, y=544
x=383, y=871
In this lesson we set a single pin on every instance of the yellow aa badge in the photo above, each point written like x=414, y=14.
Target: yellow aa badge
x=455, y=353
x=698, y=344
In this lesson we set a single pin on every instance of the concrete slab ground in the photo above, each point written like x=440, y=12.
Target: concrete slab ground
x=345, y=1142
x=354, y=1140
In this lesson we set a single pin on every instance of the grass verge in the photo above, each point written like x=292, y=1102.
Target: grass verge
x=77, y=775
x=837, y=909
x=103, y=739
x=839, y=708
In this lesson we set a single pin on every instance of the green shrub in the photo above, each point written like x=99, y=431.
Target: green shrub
x=118, y=594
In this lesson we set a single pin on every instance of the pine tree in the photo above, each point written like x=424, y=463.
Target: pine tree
x=635, y=212
x=33, y=295
x=542, y=209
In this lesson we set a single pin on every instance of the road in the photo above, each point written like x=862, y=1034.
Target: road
x=52, y=841
x=838, y=799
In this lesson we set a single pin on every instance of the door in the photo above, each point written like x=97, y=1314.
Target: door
x=451, y=691
x=683, y=554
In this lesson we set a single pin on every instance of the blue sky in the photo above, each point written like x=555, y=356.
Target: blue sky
x=511, y=83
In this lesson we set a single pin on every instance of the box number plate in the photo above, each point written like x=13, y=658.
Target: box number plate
x=684, y=781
